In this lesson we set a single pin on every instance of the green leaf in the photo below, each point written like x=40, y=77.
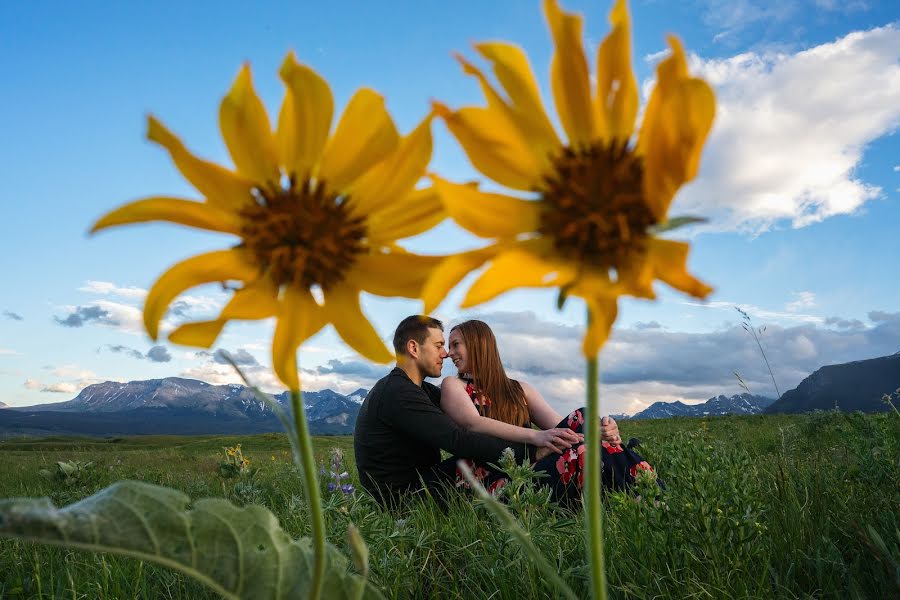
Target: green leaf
x=238, y=552
x=675, y=223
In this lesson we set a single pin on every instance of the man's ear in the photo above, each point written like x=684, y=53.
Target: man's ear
x=412, y=348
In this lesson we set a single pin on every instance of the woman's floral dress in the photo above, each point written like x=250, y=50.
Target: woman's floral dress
x=565, y=470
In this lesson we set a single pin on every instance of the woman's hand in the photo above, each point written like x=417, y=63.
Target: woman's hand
x=556, y=440
x=609, y=431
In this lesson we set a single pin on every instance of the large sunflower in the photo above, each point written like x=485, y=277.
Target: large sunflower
x=597, y=198
x=313, y=211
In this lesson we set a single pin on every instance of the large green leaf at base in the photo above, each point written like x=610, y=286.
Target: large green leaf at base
x=238, y=552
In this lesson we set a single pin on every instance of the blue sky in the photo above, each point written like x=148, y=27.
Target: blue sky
x=800, y=180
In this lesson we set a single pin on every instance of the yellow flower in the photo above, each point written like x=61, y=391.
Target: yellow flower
x=594, y=200
x=315, y=210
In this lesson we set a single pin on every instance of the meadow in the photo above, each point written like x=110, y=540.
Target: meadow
x=804, y=506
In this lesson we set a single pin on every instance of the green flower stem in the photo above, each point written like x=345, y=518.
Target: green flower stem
x=591, y=491
x=311, y=484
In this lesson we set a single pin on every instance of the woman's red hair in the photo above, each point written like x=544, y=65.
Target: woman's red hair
x=506, y=396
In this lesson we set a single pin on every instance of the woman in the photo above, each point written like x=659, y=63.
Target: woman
x=484, y=399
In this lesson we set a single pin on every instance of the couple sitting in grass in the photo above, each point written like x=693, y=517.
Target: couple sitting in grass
x=405, y=421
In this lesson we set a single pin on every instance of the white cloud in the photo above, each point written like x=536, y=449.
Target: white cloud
x=757, y=313
x=640, y=366
x=804, y=300
x=63, y=388
x=791, y=130
x=107, y=288
x=8, y=352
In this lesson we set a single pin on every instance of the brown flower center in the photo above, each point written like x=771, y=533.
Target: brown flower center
x=595, y=208
x=303, y=235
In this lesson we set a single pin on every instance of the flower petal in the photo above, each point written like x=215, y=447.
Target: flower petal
x=669, y=261
x=223, y=265
x=569, y=77
x=221, y=187
x=678, y=118
x=392, y=274
x=305, y=118
x=485, y=214
x=365, y=135
x=517, y=268
x=247, y=132
x=617, y=90
x=510, y=119
x=395, y=176
x=493, y=145
x=602, y=313
x=418, y=212
x=201, y=334
x=299, y=318
x=256, y=300
x=343, y=311
x=446, y=275
x=510, y=64
x=173, y=210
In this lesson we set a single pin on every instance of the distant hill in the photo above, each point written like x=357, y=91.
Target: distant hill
x=3, y=405
x=850, y=386
x=739, y=404
x=175, y=405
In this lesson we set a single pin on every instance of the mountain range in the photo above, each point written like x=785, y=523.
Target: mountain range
x=739, y=404
x=177, y=406
x=857, y=385
x=180, y=406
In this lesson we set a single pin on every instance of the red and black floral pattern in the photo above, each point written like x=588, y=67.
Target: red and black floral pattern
x=564, y=470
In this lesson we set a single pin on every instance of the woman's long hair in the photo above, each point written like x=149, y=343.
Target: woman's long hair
x=506, y=396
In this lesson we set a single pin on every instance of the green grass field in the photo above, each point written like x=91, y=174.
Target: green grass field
x=757, y=507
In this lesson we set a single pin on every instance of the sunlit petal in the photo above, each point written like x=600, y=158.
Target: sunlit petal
x=201, y=334
x=365, y=134
x=173, y=210
x=511, y=67
x=299, y=318
x=344, y=312
x=221, y=187
x=305, y=118
x=486, y=214
x=392, y=274
x=447, y=275
x=416, y=213
x=221, y=266
x=602, y=313
x=676, y=123
x=617, y=90
x=669, y=260
x=247, y=132
x=493, y=146
x=394, y=177
x=518, y=268
x=569, y=76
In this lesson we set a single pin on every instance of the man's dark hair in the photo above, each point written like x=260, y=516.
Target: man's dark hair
x=414, y=327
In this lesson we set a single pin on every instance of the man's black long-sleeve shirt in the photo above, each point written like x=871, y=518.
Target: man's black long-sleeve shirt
x=400, y=431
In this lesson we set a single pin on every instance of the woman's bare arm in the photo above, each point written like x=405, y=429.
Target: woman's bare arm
x=457, y=404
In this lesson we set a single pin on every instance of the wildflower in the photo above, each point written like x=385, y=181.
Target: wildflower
x=317, y=213
x=596, y=201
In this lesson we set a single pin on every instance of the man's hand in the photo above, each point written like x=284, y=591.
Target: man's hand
x=557, y=440
x=609, y=431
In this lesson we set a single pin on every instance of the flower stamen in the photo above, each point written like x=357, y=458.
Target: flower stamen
x=595, y=210
x=303, y=235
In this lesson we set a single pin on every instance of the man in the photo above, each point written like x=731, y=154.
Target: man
x=401, y=429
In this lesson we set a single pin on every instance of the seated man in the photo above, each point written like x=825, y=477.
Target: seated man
x=401, y=429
